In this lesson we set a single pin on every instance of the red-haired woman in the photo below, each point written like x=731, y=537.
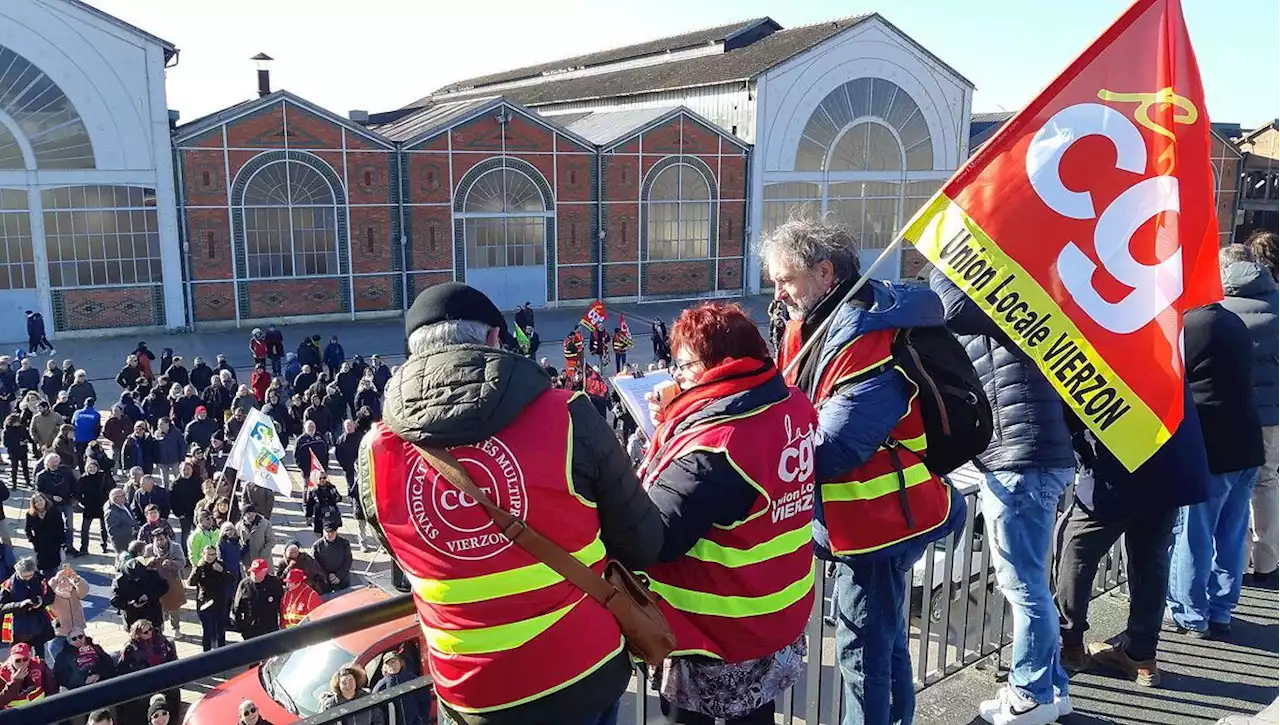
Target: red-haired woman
x=731, y=469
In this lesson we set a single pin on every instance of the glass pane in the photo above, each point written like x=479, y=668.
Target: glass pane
x=792, y=190
x=882, y=96
x=44, y=114
x=920, y=157
x=850, y=153
x=503, y=190
x=666, y=185
x=810, y=155
x=692, y=184
x=883, y=151
x=879, y=223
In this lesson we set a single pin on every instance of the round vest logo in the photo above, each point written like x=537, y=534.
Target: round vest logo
x=453, y=523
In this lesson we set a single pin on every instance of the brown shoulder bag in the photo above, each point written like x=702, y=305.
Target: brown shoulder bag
x=649, y=637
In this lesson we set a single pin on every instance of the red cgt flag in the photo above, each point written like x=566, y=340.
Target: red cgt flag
x=1085, y=228
x=595, y=316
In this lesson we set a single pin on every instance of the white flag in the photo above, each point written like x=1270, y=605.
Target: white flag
x=258, y=454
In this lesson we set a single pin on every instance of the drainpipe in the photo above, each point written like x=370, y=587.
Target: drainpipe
x=748, y=245
x=404, y=238
x=600, y=231
x=184, y=238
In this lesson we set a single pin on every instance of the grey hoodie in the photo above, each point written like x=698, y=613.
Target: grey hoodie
x=1251, y=294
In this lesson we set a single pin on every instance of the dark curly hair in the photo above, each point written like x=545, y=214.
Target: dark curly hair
x=1266, y=250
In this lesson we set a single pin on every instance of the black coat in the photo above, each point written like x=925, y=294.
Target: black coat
x=311, y=451
x=47, y=535
x=256, y=608
x=321, y=506
x=93, y=491
x=140, y=452
x=334, y=557
x=184, y=496
x=71, y=667
x=179, y=375
x=1219, y=359
x=1030, y=428
x=201, y=376
x=347, y=449
x=212, y=584
x=136, y=591
x=201, y=431
x=51, y=384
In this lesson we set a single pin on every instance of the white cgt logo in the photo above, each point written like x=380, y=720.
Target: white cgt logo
x=796, y=463
x=1154, y=286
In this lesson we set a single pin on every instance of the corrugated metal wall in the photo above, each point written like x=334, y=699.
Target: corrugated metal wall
x=729, y=105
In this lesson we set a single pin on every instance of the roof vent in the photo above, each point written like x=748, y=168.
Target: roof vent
x=358, y=116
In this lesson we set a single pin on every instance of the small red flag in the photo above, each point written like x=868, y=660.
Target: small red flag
x=595, y=316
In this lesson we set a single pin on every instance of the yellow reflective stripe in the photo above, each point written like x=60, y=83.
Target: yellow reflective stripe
x=915, y=445
x=568, y=454
x=859, y=371
x=876, y=487
x=687, y=600
x=500, y=584
x=785, y=543
x=498, y=638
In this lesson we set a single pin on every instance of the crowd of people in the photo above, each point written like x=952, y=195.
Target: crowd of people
x=152, y=472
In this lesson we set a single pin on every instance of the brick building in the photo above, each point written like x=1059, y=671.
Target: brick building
x=636, y=173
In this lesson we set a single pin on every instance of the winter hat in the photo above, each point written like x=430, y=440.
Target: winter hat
x=452, y=301
x=158, y=704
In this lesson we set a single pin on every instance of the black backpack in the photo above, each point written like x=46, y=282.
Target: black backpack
x=957, y=415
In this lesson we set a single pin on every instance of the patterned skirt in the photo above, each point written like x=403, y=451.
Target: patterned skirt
x=723, y=690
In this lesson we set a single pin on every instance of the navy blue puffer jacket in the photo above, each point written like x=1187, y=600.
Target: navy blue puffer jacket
x=1030, y=429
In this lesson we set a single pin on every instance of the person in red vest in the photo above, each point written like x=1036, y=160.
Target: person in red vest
x=24, y=678
x=600, y=340
x=573, y=351
x=509, y=641
x=299, y=598
x=731, y=468
x=878, y=506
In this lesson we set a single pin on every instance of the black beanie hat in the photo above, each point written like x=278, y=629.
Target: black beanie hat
x=452, y=301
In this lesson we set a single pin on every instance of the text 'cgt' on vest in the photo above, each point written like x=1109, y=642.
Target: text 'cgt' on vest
x=893, y=496
x=745, y=591
x=501, y=627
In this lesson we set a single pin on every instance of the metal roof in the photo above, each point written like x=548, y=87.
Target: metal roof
x=690, y=39
x=735, y=64
x=169, y=48
x=608, y=126
x=756, y=53
x=430, y=118
x=992, y=116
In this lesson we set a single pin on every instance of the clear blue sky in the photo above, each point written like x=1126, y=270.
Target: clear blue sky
x=381, y=54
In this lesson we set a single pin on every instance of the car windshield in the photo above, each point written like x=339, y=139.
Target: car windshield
x=297, y=679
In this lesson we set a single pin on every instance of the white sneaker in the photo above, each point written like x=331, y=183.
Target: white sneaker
x=1010, y=708
x=1063, y=703
x=52, y=353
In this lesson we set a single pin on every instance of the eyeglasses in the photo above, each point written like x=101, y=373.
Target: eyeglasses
x=248, y=710
x=76, y=638
x=679, y=365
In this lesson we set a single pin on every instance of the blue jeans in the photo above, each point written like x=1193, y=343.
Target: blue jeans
x=871, y=639
x=1208, y=552
x=1020, y=509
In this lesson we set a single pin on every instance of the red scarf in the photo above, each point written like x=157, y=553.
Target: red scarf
x=731, y=376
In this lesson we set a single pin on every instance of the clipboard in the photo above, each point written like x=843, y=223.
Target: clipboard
x=631, y=392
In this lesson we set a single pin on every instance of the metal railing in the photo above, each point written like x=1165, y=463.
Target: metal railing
x=956, y=616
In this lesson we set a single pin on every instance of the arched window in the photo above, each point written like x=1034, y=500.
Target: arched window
x=36, y=113
x=290, y=221
x=678, y=207
x=505, y=219
x=868, y=124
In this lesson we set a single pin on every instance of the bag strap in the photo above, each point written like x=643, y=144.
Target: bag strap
x=515, y=529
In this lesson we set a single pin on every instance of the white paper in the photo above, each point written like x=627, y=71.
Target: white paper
x=632, y=391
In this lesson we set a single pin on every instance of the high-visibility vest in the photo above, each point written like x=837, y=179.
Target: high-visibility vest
x=863, y=509
x=573, y=346
x=33, y=693
x=621, y=343
x=296, y=604
x=501, y=628
x=745, y=591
